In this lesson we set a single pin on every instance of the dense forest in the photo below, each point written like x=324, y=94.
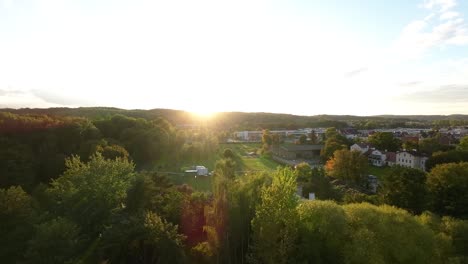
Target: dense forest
x=86, y=186
x=254, y=121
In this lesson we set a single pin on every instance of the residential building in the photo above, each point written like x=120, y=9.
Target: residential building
x=361, y=147
x=411, y=159
x=377, y=158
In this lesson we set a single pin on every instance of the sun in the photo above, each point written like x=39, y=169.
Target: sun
x=202, y=111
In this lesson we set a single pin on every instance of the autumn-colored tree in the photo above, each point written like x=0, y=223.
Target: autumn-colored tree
x=347, y=165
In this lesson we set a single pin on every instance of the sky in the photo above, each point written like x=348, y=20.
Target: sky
x=304, y=57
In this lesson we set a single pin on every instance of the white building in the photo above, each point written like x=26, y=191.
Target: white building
x=411, y=159
x=377, y=158
x=361, y=147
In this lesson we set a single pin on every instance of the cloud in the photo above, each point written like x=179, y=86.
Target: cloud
x=409, y=84
x=55, y=97
x=4, y=92
x=19, y=99
x=356, y=72
x=447, y=94
x=419, y=36
x=441, y=5
x=449, y=15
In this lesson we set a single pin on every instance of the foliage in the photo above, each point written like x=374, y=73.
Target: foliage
x=95, y=189
x=143, y=237
x=334, y=141
x=347, y=165
x=17, y=217
x=385, y=141
x=442, y=157
x=274, y=226
x=405, y=188
x=448, y=186
x=388, y=235
x=55, y=241
x=314, y=180
x=463, y=145
x=321, y=240
x=154, y=192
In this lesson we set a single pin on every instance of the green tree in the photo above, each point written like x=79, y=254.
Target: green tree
x=441, y=157
x=95, y=189
x=463, y=145
x=55, y=241
x=266, y=140
x=244, y=197
x=348, y=165
x=217, y=214
x=274, y=226
x=385, y=141
x=334, y=141
x=303, y=172
x=321, y=240
x=303, y=139
x=448, y=186
x=143, y=237
x=387, y=234
x=17, y=217
x=405, y=188
x=154, y=192
x=313, y=137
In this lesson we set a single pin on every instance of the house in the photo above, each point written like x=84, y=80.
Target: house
x=411, y=159
x=377, y=158
x=361, y=147
x=390, y=158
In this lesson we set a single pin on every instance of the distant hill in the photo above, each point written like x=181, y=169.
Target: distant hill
x=259, y=120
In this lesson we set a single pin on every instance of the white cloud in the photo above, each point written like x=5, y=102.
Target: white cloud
x=449, y=15
x=419, y=36
x=440, y=5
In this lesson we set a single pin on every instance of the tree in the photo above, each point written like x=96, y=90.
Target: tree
x=303, y=139
x=154, y=192
x=313, y=137
x=17, y=217
x=334, y=141
x=442, y=157
x=216, y=215
x=303, y=172
x=143, y=237
x=274, y=226
x=347, y=165
x=266, y=140
x=95, y=189
x=463, y=145
x=321, y=240
x=405, y=188
x=385, y=141
x=432, y=144
x=448, y=186
x=244, y=197
x=55, y=241
x=386, y=234
x=229, y=154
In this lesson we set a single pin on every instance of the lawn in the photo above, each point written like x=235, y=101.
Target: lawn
x=250, y=163
x=379, y=171
x=245, y=163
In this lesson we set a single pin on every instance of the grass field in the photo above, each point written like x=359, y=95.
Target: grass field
x=379, y=171
x=245, y=163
